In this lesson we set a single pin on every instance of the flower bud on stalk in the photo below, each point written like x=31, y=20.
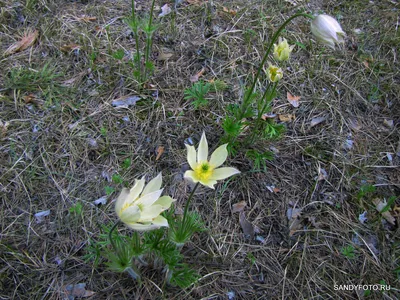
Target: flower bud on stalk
x=327, y=31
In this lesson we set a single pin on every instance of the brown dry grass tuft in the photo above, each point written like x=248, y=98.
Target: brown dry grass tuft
x=61, y=141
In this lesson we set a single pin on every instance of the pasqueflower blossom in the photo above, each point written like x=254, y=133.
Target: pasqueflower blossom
x=140, y=207
x=327, y=31
x=206, y=171
x=274, y=73
x=282, y=50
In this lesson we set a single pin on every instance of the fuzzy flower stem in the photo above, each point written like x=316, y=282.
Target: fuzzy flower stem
x=261, y=112
x=188, y=202
x=111, y=239
x=136, y=36
x=271, y=44
x=149, y=37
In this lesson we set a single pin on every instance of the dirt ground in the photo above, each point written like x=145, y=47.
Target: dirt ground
x=63, y=145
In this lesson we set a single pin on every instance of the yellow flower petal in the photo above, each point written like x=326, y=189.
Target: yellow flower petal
x=191, y=156
x=210, y=183
x=135, y=190
x=223, y=173
x=165, y=202
x=121, y=200
x=274, y=73
x=191, y=175
x=130, y=214
x=202, y=151
x=160, y=221
x=142, y=227
x=153, y=185
x=149, y=199
x=148, y=213
x=219, y=156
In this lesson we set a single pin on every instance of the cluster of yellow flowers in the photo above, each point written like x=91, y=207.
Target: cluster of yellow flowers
x=325, y=29
x=140, y=207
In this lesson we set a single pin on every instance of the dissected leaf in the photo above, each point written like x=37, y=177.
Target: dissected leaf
x=317, y=120
x=165, y=10
x=247, y=227
x=125, y=101
x=294, y=100
x=196, y=77
x=239, y=207
x=27, y=40
x=381, y=207
x=160, y=150
x=77, y=290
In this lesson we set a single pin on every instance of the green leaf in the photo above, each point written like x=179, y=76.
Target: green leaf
x=259, y=158
x=389, y=202
x=348, y=251
x=231, y=127
x=116, y=178
x=119, y=54
x=109, y=190
x=132, y=23
x=197, y=92
x=183, y=276
x=180, y=231
x=218, y=86
x=77, y=209
x=365, y=190
x=301, y=45
x=149, y=66
x=126, y=164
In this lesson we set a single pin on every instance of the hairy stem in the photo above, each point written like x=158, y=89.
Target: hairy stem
x=271, y=43
x=136, y=38
x=188, y=202
x=149, y=38
x=111, y=239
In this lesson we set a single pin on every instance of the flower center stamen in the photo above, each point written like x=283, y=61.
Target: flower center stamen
x=203, y=171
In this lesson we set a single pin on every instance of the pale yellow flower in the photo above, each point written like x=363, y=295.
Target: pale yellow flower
x=327, y=30
x=206, y=171
x=140, y=207
x=282, y=50
x=274, y=73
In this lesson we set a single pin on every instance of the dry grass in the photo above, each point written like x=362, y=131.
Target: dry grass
x=61, y=148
